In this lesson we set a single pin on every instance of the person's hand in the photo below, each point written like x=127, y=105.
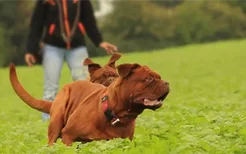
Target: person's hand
x=30, y=59
x=110, y=48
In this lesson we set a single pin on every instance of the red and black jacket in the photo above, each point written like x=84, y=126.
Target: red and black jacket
x=62, y=23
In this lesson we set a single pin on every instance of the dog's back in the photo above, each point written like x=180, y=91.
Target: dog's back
x=79, y=92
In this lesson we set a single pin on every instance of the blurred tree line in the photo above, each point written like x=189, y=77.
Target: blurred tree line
x=136, y=25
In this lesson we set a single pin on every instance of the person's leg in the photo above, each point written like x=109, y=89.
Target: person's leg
x=52, y=63
x=75, y=58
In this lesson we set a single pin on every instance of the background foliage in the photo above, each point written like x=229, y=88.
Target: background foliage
x=136, y=25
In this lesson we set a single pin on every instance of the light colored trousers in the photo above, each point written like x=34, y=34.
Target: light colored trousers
x=53, y=58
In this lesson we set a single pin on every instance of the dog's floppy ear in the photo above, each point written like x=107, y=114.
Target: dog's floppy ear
x=126, y=69
x=113, y=59
x=92, y=67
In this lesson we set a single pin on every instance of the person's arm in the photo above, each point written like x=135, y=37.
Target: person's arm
x=89, y=21
x=36, y=28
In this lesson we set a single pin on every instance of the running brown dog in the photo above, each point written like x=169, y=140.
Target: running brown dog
x=85, y=111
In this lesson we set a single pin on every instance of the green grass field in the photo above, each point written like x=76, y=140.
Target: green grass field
x=205, y=111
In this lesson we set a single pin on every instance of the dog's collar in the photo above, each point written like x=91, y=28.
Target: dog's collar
x=108, y=112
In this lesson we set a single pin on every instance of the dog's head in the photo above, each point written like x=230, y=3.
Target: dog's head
x=103, y=75
x=142, y=86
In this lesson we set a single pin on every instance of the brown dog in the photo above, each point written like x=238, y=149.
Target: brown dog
x=103, y=75
x=85, y=111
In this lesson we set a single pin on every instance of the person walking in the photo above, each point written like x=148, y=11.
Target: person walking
x=61, y=25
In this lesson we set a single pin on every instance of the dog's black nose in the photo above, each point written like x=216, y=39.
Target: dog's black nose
x=166, y=83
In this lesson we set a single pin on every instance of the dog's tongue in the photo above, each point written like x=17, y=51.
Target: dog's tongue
x=148, y=102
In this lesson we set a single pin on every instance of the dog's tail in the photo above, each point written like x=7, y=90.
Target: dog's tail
x=40, y=105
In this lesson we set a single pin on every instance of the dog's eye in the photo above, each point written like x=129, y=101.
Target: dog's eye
x=149, y=79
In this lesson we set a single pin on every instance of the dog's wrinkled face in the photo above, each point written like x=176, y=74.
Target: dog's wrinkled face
x=147, y=87
x=103, y=75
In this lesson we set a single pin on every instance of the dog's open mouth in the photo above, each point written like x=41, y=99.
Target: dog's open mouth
x=155, y=102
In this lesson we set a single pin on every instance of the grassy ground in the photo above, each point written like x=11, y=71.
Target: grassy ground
x=204, y=113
